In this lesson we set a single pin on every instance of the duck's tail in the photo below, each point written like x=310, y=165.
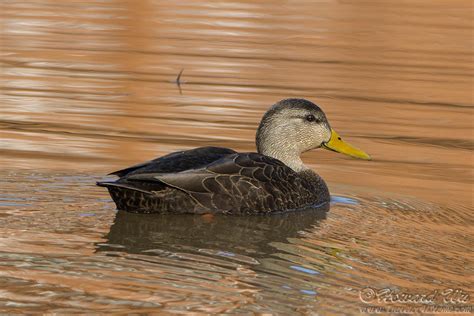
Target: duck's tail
x=113, y=184
x=130, y=198
x=148, y=198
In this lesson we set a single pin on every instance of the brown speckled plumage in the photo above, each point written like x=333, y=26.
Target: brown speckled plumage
x=235, y=183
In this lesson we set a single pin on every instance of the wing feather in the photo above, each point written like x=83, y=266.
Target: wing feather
x=178, y=161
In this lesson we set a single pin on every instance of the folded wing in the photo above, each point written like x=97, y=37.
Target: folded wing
x=236, y=183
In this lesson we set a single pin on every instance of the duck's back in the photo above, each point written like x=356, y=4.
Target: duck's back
x=215, y=180
x=178, y=161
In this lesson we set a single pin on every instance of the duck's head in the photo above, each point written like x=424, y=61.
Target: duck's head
x=293, y=126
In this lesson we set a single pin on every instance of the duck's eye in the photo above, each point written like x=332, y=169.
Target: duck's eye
x=311, y=118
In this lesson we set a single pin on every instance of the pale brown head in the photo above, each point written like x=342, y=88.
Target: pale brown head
x=293, y=126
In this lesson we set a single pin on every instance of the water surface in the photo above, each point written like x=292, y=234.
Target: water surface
x=89, y=87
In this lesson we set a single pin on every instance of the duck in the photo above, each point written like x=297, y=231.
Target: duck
x=218, y=180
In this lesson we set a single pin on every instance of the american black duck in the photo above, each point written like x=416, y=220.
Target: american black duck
x=220, y=180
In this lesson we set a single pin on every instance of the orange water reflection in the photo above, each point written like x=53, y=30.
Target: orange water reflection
x=88, y=87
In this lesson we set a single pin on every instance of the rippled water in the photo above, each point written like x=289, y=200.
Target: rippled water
x=89, y=87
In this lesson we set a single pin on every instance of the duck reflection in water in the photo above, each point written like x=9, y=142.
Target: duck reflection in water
x=243, y=235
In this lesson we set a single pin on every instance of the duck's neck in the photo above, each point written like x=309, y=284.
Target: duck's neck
x=276, y=138
x=283, y=150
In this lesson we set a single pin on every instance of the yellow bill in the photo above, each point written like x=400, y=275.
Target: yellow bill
x=337, y=144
